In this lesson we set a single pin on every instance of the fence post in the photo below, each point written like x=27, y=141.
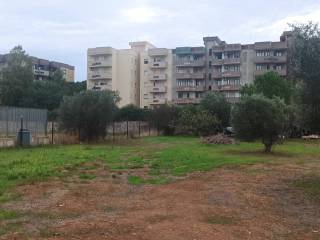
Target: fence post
x=7, y=122
x=52, y=136
x=112, y=134
x=127, y=129
x=139, y=129
x=149, y=129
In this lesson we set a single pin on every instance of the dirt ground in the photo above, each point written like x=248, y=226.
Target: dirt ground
x=249, y=202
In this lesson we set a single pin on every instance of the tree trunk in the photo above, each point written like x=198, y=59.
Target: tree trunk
x=267, y=147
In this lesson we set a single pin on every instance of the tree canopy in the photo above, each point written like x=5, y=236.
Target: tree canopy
x=258, y=117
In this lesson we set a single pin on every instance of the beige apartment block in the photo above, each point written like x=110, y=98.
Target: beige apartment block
x=141, y=75
x=116, y=70
x=156, y=69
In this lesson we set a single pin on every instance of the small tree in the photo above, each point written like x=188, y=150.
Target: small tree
x=16, y=79
x=257, y=117
x=165, y=118
x=192, y=120
x=88, y=113
x=270, y=85
x=131, y=113
x=217, y=105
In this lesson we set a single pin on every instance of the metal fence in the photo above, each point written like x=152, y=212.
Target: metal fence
x=11, y=119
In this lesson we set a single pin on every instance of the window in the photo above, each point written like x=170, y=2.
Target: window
x=210, y=64
x=180, y=95
x=210, y=76
x=145, y=61
x=210, y=52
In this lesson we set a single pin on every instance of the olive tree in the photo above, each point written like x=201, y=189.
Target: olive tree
x=88, y=113
x=258, y=117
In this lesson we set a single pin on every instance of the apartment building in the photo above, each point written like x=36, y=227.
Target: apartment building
x=117, y=70
x=156, y=69
x=230, y=66
x=189, y=74
x=44, y=69
x=147, y=76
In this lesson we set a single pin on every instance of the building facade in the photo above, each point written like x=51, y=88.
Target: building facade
x=189, y=75
x=156, y=69
x=44, y=69
x=147, y=76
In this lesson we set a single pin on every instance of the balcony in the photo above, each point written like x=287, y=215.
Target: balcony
x=231, y=74
x=190, y=75
x=41, y=72
x=271, y=59
x=157, y=101
x=158, y=64
x=160, y=77
x=158, y=52
x=96, y=76
x=105, y=63
x=229, y=87
x=187, y=101
x=190, y=88
x=158, y=89
x=231, y=61
x=217, y=62
x=270, y=45
x=196, y=63
x=216, y=74
x=282, y=72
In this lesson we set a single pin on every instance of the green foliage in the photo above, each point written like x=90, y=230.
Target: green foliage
x=305, y=62
x=270, y=85
x=132, y=113
x=257, y=117
x=88, y=113
x=217, y=105
x=193, y=120
x=16, y=79
x=164, y=117
x=18, y=88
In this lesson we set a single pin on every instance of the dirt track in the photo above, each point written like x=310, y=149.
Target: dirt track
x=249, y=202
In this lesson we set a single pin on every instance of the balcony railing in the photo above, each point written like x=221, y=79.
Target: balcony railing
x=41, y=72
x=187, y=101
x=190, y=88
x=282, y=72
x=190, y=75
x=100, y=63
x=158, y=89
x=231, y=74
x=160, y=77
x=270, y=45
x=158, y=52
x=271, y=59
x=229, y=87
x=231, y=61
x=100, y=76
x=158, y=64
x=196, y=63
x=157, y=101
x=217, y=74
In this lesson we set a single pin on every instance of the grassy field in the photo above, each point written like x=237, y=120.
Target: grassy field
x=164, y=157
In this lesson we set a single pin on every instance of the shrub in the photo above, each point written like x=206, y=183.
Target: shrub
x=257, y=117
x=88, y=113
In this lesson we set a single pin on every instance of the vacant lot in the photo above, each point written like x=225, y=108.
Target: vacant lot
x=161, y=188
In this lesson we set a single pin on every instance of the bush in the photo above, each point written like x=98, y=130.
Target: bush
x=193, y=120
x=88, y=113
x=165, y=118
x=217, y=105
x=132, y=113
x=257, y=117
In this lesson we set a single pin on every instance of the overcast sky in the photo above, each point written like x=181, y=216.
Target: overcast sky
x=62, y=30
